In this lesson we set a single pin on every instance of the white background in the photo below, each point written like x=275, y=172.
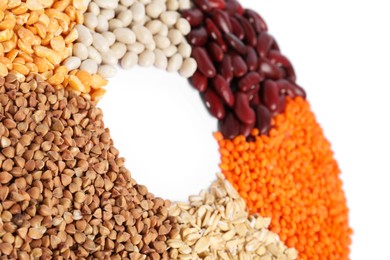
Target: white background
x=341, y=53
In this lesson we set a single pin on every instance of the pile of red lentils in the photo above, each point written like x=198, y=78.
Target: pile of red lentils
x=65, y=191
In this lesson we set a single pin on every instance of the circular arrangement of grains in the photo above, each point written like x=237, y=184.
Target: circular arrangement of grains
x=65, y=192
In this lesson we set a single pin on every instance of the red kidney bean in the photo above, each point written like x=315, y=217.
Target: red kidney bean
x=194, y=16
x=243, y=110
x=230, y=126
x=221, y=19
x=235, y=43
x=289, y=88
x=203, y=5
x=215, y=51
x=255, y=100
x=239, y=66
x=198, y=36
x=237, y=28
x=290, y=73
x=270, y=70
x=251, y=59
x=217, y=4
x=233, y=7
x=215, y=33
x=264, y=44
x=226, y=68
x=249, y=80
x=263, y=119
x=255, y=19
x=199, y=81
x=205, y=65
x=299, y=90
x=222, y=87
x=246, y=130
x=214, y=104
x=271, y=95
x=279, y=59
x=253, y=90
x=282, y=104
x=250, y=34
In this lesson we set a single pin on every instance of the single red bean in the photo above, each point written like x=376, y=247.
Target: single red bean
x=256, y=20
x=264, y=44
x=235, y=43
x=194, y=16
x=214, y=104
x=243, y=110
x=289, y=88
x=198, y=36
x=226, y=68
x=237, y=28
x=255, y=99
x=253, y=90
x=249, y=80
x=290, y=74
x=230, y=126
x=215, y=33
x=239, y=66
x=299, y=91
x=270, y=70
x=199, y=81
x=246, y=130
x=250, y=34
x=217, y=4
x=222, y=87
x=263, y=119
x=282, y=104
x=203, y=5
x=205, y=65
x=271, y=95
x=277, y=58
x=251, y=59
x=215, y=51
x=221, y=19
x=234, y=7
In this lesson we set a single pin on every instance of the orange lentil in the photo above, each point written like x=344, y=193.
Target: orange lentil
x=292, y=177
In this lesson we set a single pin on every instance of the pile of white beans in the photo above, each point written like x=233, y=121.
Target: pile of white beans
x=131, y=32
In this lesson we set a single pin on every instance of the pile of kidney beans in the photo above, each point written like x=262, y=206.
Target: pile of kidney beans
x=242, y=76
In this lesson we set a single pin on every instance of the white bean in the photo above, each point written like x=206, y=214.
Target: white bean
x=109, y=58
x=80, y=50
x=108, y=13
x=107, y=71
x=188, y=68
x=93, y=8
x=183, y=26
x=94, y=55
x=136, y=47
x=127, y=3
x=125, y=17
x=185, y=49
x=169, y=17
x=175, y=36
x=154, y=9
x=138, y=11
x=170, y=51
x=151, y=46
x=102, y=24
x=175, y=62
x=106, y=4
x=173, y=5
x=164, y=30
x=100, y=43
x=85, y=35
x=184, y=4
x=119, y=9
x=129, y=60
x=72, y=63
x=125, y=35
x=119, y=49
x=162, y=42
x=161, y=60
x=146, y=59
x=110, y=37
x=143, y=34
x=89, y=66
x=90, y=20
x=145, y=2
x=154, y=26
x=114, y=24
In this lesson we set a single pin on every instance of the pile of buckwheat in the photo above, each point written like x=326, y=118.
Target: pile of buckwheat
x=64, y=191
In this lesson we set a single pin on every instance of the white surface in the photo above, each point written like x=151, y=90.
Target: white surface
x=341, y=53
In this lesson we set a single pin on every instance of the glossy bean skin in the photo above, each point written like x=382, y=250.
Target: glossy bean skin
x=263, y=119
x=246, y=129
x=214, y=104
x=233, y=7
x=249, y=32
x=243, y=109
x=239, y=66
x=198, y=36
x=252, y=60
x=249, y=80
x=230, y=126
x=215, y=51
x=203, y=5
x=255, y=19
x=217, y=4
x=199, y=81
x=238, y=31
x=215, y=33
x=226, y=68
x=235, y=43
x=276, y=58
x=271, y=95
x=194, y=16
x=270, y=70
x=264, y=44
x=222, y=87
x=221, y=19
x=205, y=65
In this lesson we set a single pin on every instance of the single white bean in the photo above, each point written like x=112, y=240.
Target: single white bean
x=100, y=43
x=107, y=71
x=169, y=17
x=154, y=9
x=154, y=26
x=90, y=20
x=119, y=49
x=184, y=4
x=162, y=42
x=151, y=46
x=185, y=49
x=106, y=4
x=175, y=36
x=80, y=50
x=188, y=68
x=145, y=2
x=138, y=11
x=125, y=17
x=109, y=58
x=114, y=24
x=170, y=51
x=94, y=8
x=72, y=63
x=136, y=47
x=164, y=30
x=94, y=55
x=183, y=26
x=107, y=13
x=175, y=62
x=125, y=35
x=110, y=37
x=146, y=58
x=85, y=35
x=127, y=3
x=89, y=66
x=119, y=9
x=143, y=34
x=102, y=24
x=161, y=60
x=129, y=60
x=173, y=5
